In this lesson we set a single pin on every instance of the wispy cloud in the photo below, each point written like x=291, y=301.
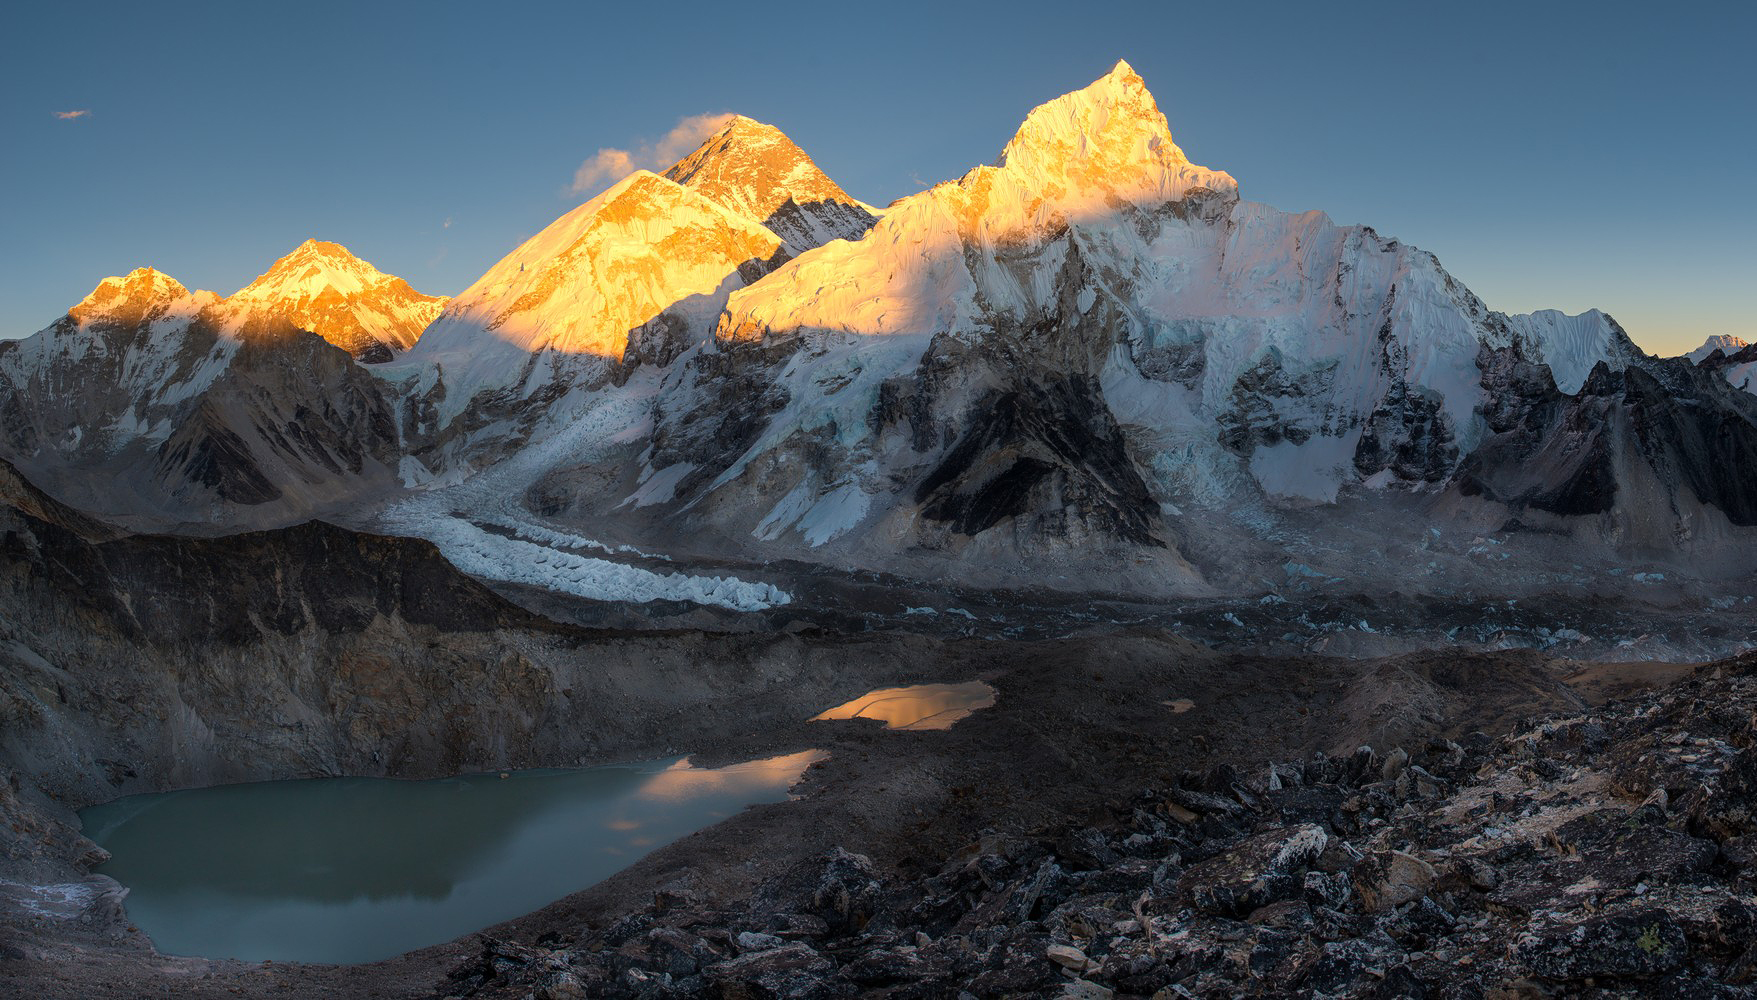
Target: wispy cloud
x=446, y=224
x=609, y=164
x=66, y=115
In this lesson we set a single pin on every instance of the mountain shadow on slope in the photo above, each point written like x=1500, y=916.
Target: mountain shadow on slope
x=1050, y=451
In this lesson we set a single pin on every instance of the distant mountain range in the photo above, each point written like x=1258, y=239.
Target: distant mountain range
x=1089, y=365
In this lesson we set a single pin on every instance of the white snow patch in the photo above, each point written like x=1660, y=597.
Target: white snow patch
x=835, y=513
x=661, y=486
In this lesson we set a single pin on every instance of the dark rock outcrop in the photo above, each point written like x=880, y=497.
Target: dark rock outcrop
x=1666, y=424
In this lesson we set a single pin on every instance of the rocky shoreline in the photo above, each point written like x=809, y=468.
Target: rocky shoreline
x=1604, y=853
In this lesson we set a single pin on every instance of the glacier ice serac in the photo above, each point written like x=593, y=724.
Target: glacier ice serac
x=1091, y=364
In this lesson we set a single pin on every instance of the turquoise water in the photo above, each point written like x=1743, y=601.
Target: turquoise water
x=359, y=869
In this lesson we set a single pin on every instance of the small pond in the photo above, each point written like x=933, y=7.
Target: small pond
x=359, y=869
x=921, y=706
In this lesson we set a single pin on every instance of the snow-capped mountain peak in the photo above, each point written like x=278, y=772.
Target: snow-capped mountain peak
x=951, y=258
x=753, y=168
x=1572, y=345
x=756, y=171
x=612, y=264
x=579, y=288
x=1109, y=138
x=323, y=288
x=1720, y=343
x=313, y=266
x=141, y=294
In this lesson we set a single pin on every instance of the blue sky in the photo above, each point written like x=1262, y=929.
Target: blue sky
x=1552, y=155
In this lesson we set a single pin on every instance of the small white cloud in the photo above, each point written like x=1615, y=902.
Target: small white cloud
x=609, y=165
x=446, y=224
x=606, y=165
x=685, y=136
x=66, y=115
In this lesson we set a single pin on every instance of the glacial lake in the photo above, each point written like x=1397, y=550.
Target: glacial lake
x=360, y=869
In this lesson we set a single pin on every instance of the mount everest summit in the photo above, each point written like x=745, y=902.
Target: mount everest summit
x=1090, y=365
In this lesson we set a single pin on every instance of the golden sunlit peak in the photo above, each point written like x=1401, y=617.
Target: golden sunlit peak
x=744, y=124
x=742, y=128
x=320, y=248
x=318, y=259
x=142, y=282
x=141, y=292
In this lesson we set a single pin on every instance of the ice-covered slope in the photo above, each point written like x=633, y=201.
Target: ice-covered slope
x=322, y=288
x=1737, y=366
x=1571, y=345
x=580, y=288
x=757, y=172
x=1743, y=374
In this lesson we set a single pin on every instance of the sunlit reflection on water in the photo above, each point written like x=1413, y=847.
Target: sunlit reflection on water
x=683, y=781
x=921, y=706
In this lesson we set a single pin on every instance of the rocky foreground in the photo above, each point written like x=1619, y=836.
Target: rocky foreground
x=1607, y=853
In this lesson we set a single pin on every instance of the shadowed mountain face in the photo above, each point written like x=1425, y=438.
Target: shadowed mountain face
x=237, y=432
x=292, y=416
x=290, y=581
x=1645, y=449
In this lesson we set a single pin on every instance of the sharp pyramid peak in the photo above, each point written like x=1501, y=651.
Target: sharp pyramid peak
x=322, y=287
x=1110, y=133
x=753, y=168
x=310, y=267
x=325, y=247
x=1117, y=105
x=320, y=250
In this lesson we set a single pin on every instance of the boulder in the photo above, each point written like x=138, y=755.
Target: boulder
x=1628, y=943
x=1263, y=869
x=1391, y=878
